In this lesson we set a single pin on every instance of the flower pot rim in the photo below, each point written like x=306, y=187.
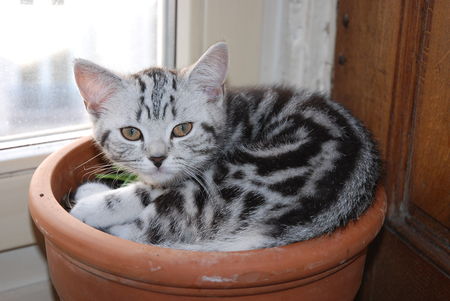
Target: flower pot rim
x=196, y=269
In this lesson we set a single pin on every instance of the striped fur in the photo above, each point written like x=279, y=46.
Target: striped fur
x=261, y=167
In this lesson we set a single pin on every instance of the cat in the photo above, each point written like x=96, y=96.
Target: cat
x=221, y=169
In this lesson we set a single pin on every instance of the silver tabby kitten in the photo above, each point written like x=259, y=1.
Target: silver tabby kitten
x=221, y=170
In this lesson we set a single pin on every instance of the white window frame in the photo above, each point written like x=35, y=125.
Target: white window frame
x=22, y=154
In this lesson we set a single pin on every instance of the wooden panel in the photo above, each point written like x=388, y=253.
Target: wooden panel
x=366, y=49
x=430, y=182
x=414, y=22
x=415, y=225
x=395, y=86
x=399, y=273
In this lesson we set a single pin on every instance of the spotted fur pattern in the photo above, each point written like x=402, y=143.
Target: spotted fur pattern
x=261, y=167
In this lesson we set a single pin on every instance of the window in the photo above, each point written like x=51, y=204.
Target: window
x=40, y=107
x=40, y=39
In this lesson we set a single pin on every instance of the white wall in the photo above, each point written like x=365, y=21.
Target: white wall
x=271, y=41
x=202, y=23
x=298, y=43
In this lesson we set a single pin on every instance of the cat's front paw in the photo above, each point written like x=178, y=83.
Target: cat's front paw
x=83, y=191
x=89, y=203
x=86, y=210
x=88, y=189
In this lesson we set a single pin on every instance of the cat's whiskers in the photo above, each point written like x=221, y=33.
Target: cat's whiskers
x=198, y=176
x=98, y=169
x=89, y=160
x=198, y=180
x=93, y=175
x=103, y=165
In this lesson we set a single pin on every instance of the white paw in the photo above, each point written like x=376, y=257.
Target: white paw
x=90, y=188
x=86, y=210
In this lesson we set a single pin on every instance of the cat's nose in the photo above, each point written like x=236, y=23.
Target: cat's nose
x=158, y=160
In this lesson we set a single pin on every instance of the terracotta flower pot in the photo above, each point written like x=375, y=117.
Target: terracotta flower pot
x=86, y=264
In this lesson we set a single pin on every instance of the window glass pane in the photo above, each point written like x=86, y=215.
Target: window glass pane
x=39, y=40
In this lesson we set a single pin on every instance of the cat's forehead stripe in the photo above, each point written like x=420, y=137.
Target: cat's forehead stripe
x=154, y=99
x=174, y=83
x=164, y=110
x=142, y=85
x=159, y=81
x=149, y=115
x=139, y=114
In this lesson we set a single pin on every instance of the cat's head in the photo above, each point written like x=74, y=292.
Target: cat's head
x=160, y=124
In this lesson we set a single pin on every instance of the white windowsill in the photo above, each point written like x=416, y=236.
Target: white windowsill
x=20, y=155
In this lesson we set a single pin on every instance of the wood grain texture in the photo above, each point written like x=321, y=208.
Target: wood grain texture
x=430, y=161
x=392, y=71
x=364, y=71
x=398, y=273
x=408, y=68
x=421, y=230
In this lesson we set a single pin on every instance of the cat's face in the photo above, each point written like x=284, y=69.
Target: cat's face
x=159, y=124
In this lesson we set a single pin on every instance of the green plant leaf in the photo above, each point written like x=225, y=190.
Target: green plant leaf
x=119, y=175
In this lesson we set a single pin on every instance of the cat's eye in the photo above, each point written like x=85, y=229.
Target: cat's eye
x=182, y=129
x=131, y=133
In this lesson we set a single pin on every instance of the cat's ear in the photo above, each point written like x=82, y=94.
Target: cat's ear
x=210, y=71
x=96, y=84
